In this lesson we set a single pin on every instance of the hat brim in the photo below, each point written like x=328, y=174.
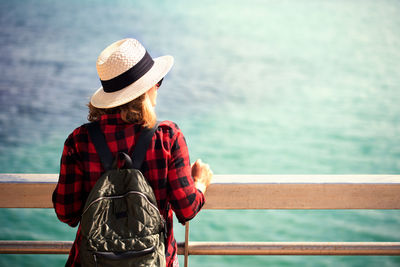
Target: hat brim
x=162, y=65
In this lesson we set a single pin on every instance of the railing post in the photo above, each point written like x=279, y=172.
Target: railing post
x=186, y=244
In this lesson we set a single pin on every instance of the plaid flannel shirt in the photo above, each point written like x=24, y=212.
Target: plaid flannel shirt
x=166, y=166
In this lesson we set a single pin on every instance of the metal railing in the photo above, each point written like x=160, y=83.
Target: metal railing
x=239, y=192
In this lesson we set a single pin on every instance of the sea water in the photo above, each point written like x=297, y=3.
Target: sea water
x=258, y=87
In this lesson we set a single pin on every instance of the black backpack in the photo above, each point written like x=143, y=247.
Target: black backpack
x=121, y=224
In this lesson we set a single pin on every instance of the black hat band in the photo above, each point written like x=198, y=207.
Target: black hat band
x=130, y=76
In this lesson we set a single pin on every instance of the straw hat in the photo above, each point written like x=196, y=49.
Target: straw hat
x=127, y=71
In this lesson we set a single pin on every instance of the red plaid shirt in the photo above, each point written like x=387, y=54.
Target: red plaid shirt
x=166, y=166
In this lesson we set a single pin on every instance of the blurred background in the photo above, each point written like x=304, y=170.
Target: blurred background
x=258, y=87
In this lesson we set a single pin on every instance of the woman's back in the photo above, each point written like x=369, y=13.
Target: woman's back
x=123, y=106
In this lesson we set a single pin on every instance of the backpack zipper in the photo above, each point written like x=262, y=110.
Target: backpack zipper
x=95, y=260
x=123, y=255
x=122, y=196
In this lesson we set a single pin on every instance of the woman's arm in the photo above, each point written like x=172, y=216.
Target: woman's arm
x=186, y=200
x=67, y=197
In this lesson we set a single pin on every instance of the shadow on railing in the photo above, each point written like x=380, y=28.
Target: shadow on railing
x=239, y=192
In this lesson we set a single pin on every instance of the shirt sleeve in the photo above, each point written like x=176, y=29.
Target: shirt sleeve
x=185, y=199
x=67, y=197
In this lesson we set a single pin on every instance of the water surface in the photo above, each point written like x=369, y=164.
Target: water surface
x=258, y=87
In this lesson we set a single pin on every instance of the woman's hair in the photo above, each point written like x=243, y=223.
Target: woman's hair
x=140, y=110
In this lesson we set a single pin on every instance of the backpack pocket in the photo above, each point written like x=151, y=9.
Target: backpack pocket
x=126, y=258
x=124, y=255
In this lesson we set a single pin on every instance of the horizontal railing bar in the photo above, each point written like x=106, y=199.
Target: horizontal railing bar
x=243, y=191
x=35, y=247
x=242, y=178
x=229, y=248
x=294, y=248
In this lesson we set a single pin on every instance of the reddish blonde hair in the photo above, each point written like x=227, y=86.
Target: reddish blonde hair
x=139, y=110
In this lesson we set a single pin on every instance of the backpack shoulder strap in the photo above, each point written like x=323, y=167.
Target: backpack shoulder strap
x=139, y=153
x=100, y=143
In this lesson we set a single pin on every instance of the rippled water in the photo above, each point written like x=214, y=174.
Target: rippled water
x=258, y=87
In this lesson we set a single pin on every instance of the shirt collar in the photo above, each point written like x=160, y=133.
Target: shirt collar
x=111, y=119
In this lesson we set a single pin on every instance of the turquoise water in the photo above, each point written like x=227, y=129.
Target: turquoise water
x=258, y=87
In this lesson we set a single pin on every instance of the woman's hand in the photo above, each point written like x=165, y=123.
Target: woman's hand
x=202, y=175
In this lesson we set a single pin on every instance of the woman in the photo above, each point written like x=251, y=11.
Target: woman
x=123, y=106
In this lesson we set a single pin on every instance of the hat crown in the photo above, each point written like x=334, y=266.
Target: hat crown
x=119, y=57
